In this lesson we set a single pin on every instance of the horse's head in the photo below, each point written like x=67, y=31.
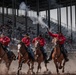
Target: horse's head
x=55, y=41
x=37, y=48
x=37, y=45
x=21, y=46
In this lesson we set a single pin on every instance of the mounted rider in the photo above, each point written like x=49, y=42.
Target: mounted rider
x=42, y=43
x=5, y=40
x=26, y=41
x=62, y=40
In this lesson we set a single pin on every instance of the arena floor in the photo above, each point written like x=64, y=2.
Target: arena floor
x=70, y=67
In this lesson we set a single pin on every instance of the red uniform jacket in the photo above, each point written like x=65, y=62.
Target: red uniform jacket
x=61, y=38
x=5, y=40
x=41, y=41
x=26, y=41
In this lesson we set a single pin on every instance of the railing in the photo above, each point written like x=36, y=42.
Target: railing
x=65, y=25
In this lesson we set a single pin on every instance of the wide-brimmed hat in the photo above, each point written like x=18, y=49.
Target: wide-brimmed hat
x=26, y=35
x=40, y=35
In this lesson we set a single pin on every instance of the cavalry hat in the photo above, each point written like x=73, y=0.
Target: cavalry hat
x=27, y=34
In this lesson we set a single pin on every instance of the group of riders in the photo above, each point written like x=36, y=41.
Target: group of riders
x=5, y=40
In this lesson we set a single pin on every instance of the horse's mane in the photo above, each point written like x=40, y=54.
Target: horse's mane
x=55, y=40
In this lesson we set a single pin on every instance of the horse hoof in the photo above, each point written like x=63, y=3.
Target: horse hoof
x=29, y=72
x=33, y=73
x=49, y=73
x=17, y=73
x=58, y=73
x=62, y=71
x=47, y=70
x=60, y=67
x=36, y=72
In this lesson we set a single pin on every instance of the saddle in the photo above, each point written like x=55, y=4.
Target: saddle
x=27, y=51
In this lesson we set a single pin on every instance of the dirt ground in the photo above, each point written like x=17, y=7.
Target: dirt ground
x=70, y=67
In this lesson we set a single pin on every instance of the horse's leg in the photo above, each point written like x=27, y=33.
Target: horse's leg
x=56, y=67
x=32, y=67
x=19, y=65
x=28, y=64
x=38, y=67
x=63, y=66
x=20, y=62
x=19, y=68
x=8, y=64
x=60, y=67
x=29, y=67
x=46, y=66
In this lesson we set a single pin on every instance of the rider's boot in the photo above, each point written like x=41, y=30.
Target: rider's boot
x=32, y=56
x=46, y=61
x=9, y=55
x=50, y=58
x=45, y=57
x=65, y=56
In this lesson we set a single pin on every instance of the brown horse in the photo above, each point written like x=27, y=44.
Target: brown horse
x=24, y=57
x=57, y=56
x=4, y=56
x=39, y=56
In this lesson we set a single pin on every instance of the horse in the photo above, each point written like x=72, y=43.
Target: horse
x=39, y=56
x=23, y=57
x=4, y=56
x=57, y=56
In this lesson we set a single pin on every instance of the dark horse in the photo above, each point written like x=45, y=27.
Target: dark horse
x=4, y=56
x=24, y=57
x=39, y=56
x=57, y=56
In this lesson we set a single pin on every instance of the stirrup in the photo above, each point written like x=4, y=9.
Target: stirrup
x=46, y=61
x=66, y=60
x=49, y=59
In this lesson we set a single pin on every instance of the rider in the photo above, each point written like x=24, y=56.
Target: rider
x=26, y=41
x=42, y=43
x=5, y=40
x=62, y=40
